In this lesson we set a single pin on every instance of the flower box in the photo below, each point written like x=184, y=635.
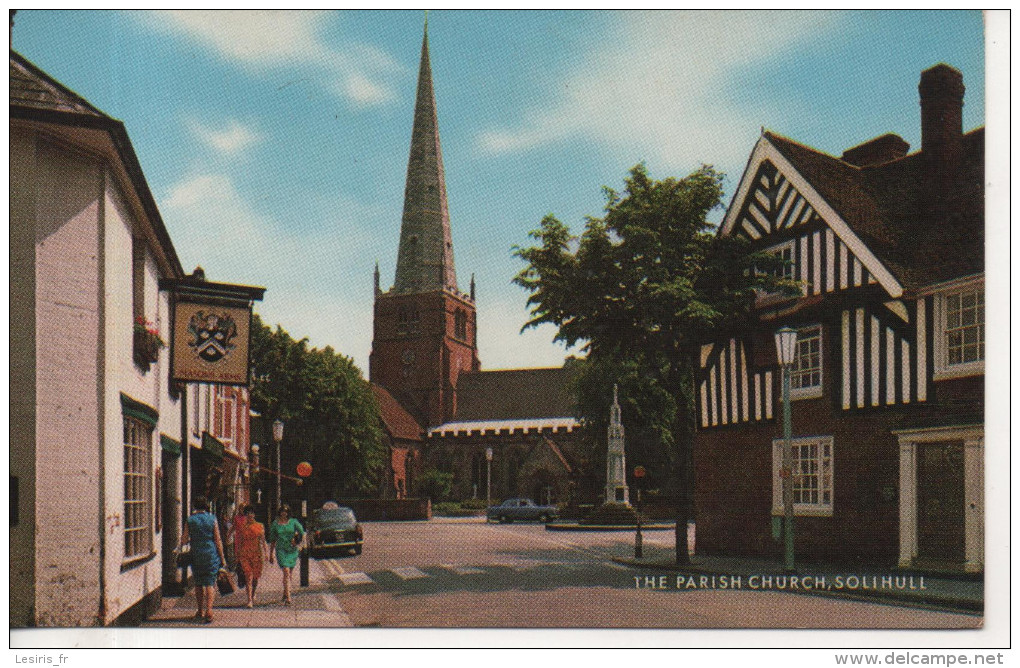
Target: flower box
x=148, y=343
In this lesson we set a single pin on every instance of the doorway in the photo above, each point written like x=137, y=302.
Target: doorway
x=940, y=502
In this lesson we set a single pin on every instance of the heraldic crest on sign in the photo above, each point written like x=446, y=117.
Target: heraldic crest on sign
x=211, y=335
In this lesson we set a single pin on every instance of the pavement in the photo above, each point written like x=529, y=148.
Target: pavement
x=319, y=606
x=964, y=593
x=314, y=606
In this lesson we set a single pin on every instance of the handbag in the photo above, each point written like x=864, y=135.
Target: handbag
x=242, y=581
x=184, y=558
x=225, y=583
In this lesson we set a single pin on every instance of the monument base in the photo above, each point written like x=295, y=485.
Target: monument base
x=613, y=514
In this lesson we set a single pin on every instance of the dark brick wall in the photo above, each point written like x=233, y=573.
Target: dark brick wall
x=733, y=488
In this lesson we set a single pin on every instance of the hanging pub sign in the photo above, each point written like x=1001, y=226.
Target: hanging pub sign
x=210, y=341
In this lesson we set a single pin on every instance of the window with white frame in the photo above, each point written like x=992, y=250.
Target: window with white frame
x=960, y=344
x=786, y=253
x=811, y=475
x=137, y=488
x=806, y=370
x=225, y=414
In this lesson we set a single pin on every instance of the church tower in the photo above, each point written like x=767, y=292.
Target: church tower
x=424, y=332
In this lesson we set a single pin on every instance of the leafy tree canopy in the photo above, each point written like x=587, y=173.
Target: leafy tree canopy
x=650, y=275
x=640, y=290
x=331, y=417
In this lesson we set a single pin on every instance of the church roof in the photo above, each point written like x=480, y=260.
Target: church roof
x=514, y=394
x=398, y=423
x=425, y=256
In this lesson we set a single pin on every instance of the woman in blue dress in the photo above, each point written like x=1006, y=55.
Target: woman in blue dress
x=203, y=533
x=286, y=533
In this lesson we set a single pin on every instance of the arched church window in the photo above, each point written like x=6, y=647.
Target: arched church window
x=403, y=321
x=413, y=321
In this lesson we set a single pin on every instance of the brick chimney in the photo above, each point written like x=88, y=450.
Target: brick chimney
x=941, y=90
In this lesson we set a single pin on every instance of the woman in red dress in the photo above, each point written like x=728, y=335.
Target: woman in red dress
x=250, y=544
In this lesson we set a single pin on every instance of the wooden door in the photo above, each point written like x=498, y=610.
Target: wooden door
x=940, y=502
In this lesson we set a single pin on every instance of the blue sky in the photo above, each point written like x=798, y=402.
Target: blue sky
x=276, y=143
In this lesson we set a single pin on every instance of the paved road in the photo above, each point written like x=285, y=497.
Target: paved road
x=472, y=574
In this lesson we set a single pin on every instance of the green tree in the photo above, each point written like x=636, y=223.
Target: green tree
x=640, y=290
x=437, y=485
x=649, y=413
x=330, y=415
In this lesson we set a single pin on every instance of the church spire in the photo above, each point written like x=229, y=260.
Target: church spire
x=425, y=257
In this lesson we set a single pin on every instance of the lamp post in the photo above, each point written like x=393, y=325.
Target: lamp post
x=254, y=466
x=304, y=470
x=786, y=349
x=488, y=477
x=639, y=474
x=278, y=438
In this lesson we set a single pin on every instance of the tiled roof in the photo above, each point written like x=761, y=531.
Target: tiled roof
x=884, y=205
x=31, y=87
x=514, y=394
x=397, y=421
x=929, y=251
x=36, y=96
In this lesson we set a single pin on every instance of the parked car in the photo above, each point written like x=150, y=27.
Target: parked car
x=334, y=528
x=521, y=510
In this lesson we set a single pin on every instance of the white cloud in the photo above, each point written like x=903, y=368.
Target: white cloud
x=661, y=86
x=253, y=36
x=363, y=91
x=319, y=282
x=261, y=40
x=501, y=344
x=231, y=139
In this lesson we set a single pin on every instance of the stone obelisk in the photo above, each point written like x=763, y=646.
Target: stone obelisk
x=616, y=459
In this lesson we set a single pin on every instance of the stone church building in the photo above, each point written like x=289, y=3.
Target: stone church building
x=501, y=433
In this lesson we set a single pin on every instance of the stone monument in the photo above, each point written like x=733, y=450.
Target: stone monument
x=616, y=459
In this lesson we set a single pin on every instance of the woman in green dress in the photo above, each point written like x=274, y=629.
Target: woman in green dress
x=286, y=533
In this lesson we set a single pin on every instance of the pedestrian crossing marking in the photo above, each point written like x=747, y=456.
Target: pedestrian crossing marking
x=355, y=578
x=408, y=573
x=464, y=570
x=334, y=568
x=520, y=566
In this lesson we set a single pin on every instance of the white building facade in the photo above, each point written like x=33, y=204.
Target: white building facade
x=94, y=496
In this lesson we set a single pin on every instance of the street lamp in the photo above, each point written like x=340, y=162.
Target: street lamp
x=253, y=466
x=488, y=476
x=786, y=349
x=278, y=438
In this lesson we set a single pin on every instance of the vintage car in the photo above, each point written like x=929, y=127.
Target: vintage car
x=521, y=510
x=334, y=529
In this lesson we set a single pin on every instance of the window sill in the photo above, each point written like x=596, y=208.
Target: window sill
x=806, y=393
x=134, y=562
x=800, y=511
x=959, y=371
